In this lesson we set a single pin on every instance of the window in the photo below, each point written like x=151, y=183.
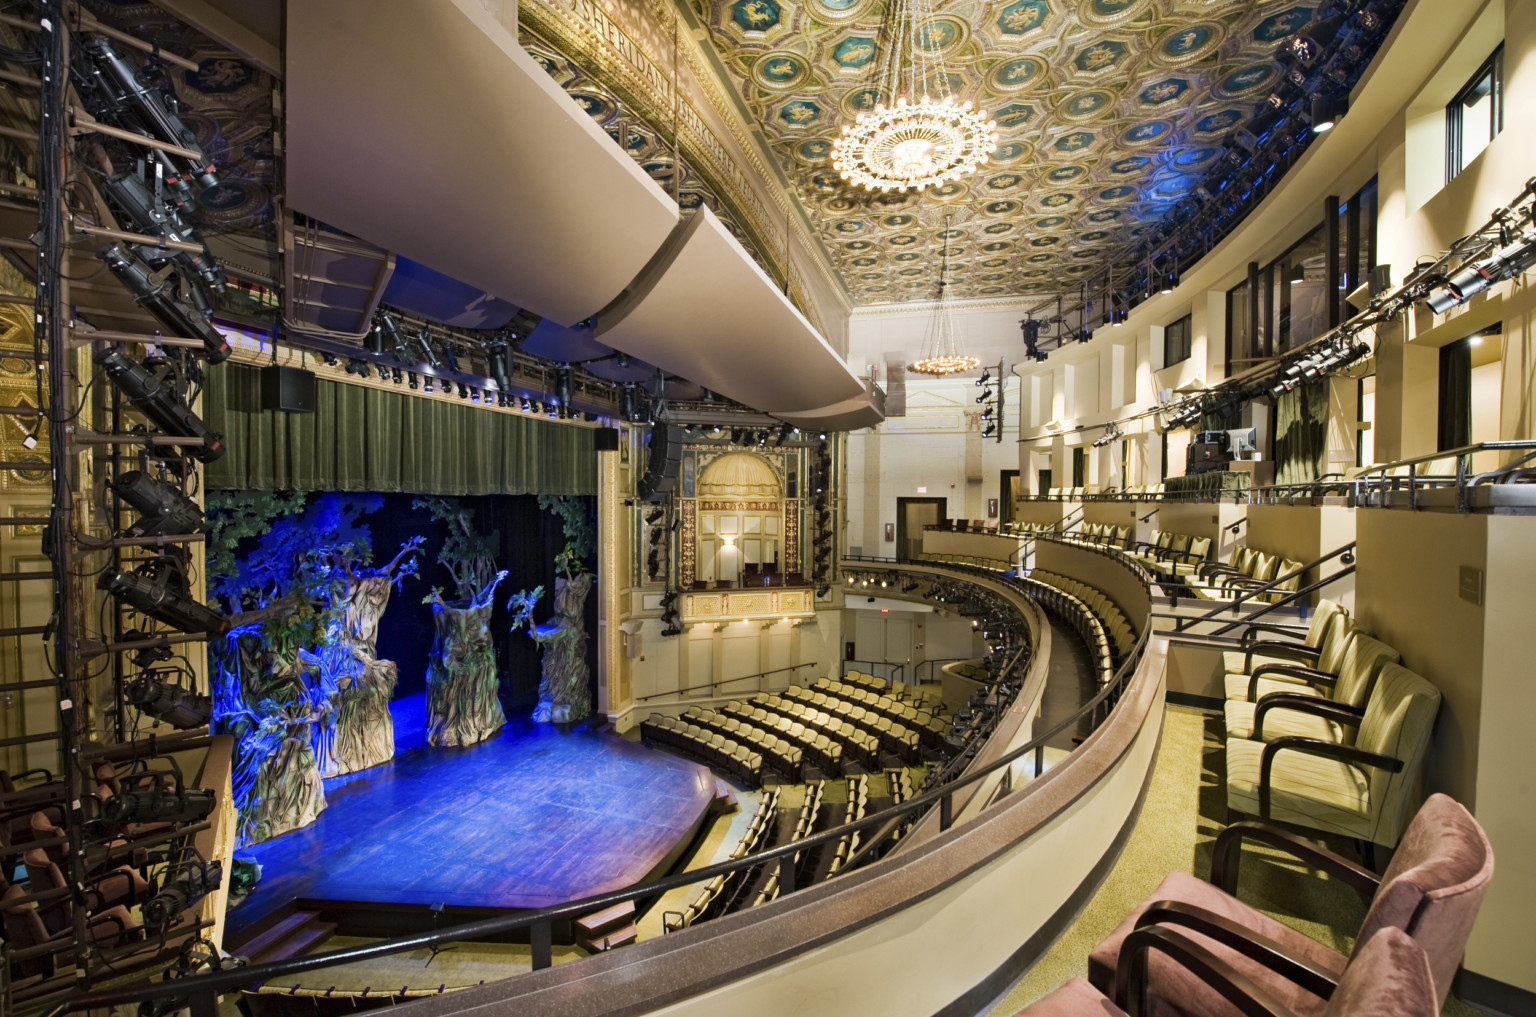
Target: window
x=1476, y=116
x=1176, y=341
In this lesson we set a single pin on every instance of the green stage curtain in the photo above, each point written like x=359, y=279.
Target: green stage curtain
x=367, y=439
x=1301, y=433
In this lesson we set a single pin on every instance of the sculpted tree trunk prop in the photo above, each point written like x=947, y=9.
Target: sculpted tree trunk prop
x=360, y=732
x=462, y=702
x=265, y=701
x=565, y=694
x=565, y=685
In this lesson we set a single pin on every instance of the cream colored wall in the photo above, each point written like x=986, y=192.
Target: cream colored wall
x=1503, y=944
x=1406, y=593
x=936, y=445
x=1305, y=533
x=1478, y=655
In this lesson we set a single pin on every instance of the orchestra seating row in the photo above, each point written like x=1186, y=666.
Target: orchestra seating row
x=713, y=745
x=858, y=808
x=825, y=725
x=38, y=913
x=716, y=893
x=1071, y=600
x=929, y=727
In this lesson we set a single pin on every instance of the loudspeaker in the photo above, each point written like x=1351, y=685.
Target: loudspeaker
x=661, y=464
x=290, y=389
x=606, y=439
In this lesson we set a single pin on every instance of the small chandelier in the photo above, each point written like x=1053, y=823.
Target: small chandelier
x=917, y=140
x=942, y=356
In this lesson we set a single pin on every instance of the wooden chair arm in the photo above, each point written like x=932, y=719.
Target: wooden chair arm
x=1251, y=635
x=1228, y=856
x=1286, y=651
x=1133, y=967
x=1306, y=674
x=1316, y=747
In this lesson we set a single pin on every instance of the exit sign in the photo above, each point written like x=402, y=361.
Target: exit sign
x=922, y=490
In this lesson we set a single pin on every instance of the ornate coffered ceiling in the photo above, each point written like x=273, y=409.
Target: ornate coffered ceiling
x=1109, y=111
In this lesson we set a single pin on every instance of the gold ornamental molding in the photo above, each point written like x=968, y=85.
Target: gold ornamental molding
x=748, y=605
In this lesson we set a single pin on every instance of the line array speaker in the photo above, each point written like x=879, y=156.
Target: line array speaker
x=661, y=463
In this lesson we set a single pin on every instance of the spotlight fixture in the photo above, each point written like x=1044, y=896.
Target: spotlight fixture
x=158, y=588
x=155, y=389
x=165, y=510
x=426, y=384
x=185, y=884
x=157, y=295
x=1504, y=263
x=986, y=376
x=182, y=708
x=1326, y=110
x=414, y=384
x=1171, y=279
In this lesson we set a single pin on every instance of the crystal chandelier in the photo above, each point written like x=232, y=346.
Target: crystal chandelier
x=916, y=140
x=942, y=356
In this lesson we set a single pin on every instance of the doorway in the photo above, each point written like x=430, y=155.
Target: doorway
x=912, y=514
x=1008, y=490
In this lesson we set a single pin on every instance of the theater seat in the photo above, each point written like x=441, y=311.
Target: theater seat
x=1359, y=790
x=1358, y=670
x=1326, y=621
x=1431, y=891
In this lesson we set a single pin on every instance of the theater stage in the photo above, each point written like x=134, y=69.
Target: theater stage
x=530, y=818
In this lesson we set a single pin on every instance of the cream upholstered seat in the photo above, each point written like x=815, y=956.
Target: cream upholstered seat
x=1362, y=790
x=1257, y=651
x=1362, y=661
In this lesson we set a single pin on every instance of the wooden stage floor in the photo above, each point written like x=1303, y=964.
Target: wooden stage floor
x=530, y=818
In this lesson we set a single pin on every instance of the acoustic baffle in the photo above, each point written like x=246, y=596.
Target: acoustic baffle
x=661, y=464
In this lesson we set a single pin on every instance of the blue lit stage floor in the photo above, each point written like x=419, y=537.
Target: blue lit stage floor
x=530, y=818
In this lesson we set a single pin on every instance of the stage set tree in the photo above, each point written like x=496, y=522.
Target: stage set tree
x=462, y=703
x=565, y=682
x=298, y=683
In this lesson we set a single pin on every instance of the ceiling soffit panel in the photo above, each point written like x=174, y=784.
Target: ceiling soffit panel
x=703, y=309
x=1108, y=113
x=619, y=64
x=422, y=126
x=849, y=415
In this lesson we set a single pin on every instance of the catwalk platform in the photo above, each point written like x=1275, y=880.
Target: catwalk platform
x=530, y=818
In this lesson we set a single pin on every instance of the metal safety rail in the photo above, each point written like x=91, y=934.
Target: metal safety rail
x=1377, y=486
x=725, y=681
x=200, y=993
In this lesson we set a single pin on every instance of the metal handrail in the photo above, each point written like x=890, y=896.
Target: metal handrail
x=202, y=991
x=899, y=668
x=1345, y=551
x=727, y=681
x=1378, y=478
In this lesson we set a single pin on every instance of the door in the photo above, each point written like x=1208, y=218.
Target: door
x=1008, y=491
x=912, y=514
x=1043, y=482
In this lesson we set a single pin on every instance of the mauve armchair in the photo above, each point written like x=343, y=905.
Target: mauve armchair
x=1431, y=890
x=1389, y=976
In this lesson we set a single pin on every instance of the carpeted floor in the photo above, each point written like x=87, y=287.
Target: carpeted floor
x=1184, y=810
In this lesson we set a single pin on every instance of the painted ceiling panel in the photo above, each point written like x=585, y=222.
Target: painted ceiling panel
x=1108, y=113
